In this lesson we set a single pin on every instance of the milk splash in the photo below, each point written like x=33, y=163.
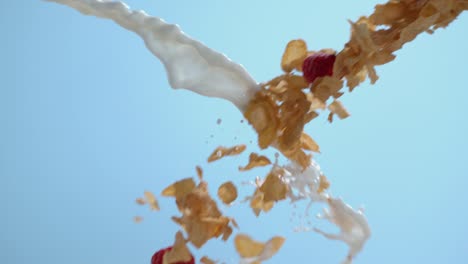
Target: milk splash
x=304, y=184
x=189, y=63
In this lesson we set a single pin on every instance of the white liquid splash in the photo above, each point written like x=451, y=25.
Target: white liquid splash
x=189, y=63
x=353, y=225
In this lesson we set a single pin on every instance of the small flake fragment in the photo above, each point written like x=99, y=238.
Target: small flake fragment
x=221, y=152
x=324, y=184
x=137, y=219
x=308, y=143
x=207, y=260
x=151, y=200
x=337, y=108
x=199, y=173
x=255, y=160
x=179, y=252
x=140, y=201
x=330, y=117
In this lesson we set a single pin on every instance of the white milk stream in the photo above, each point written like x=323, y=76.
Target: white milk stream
x=189, y=63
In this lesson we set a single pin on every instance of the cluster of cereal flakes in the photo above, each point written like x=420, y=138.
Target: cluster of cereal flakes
x=201, y=218
x=286, y=103
x=281, y=109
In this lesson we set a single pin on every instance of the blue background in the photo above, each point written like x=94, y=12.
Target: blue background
x=88, y=122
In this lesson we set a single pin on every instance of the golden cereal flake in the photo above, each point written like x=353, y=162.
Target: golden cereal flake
x=325, y=87
x=262, y=114
x=140, y=201
x=137, y=219
x=180, y=188
x=255, y=251
x=294, y=55
x=201, y=218
x=324, y=184
x=337, y=108
x=227, y=192
x=308, y=143
x=221, y=152
x=271, y=190
x=179, y=251
x=207, y=260
x=199, y=173
x=330, y=117
x=255, y=160
x=151, y=200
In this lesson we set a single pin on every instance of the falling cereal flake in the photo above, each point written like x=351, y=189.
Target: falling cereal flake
x=207, y=260
x=201, y=218
x=140, y=201
x=252, y=251
x=308, y=143
x=151, y=200
x=330, y=117
x=255, y=160
x=294, y=55
x=337, y=108
x=179, y=251
x=227, y=192
x=179, y=188
x=137, y=219
x=269, y=191
x=221, y=152
x=218, y=122
x=199, y=172
x=324, y=184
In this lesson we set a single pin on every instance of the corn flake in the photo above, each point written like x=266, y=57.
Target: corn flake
x=262, y=114
x=257, y=251
x=180, y=188
x=207, y=260
x=308, y=143
x=255, y=160
x=221, y=152
x=179, y=251
x=151, y=200
x=337, y=108
x=271, y=190
x=324, y=184
x=201, y=218
x=227, y=192
x=140, y=201
x=294, y=55
x=199, y=173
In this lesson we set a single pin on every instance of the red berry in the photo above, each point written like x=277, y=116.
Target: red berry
x=158, y=257
x=318, y=65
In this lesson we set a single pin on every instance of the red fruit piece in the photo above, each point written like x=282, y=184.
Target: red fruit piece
x=158, y=257
x=318, y=65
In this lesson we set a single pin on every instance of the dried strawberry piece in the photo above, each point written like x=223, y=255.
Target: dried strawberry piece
x=318, y=65
x=158, y=257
